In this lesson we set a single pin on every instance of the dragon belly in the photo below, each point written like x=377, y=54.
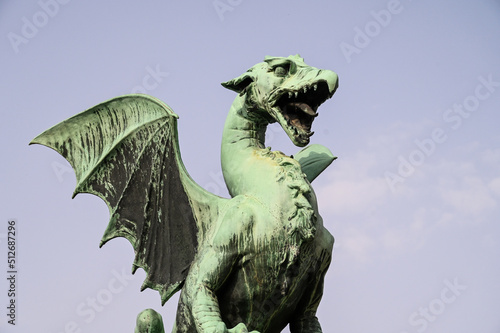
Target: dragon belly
x=267, y=290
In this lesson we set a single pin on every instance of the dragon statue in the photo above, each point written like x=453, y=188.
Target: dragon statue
x=254, y=262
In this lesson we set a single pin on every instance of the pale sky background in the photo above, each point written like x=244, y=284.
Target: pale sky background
x=413, y=199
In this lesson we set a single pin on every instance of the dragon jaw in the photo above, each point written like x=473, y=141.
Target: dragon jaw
x=296, y=109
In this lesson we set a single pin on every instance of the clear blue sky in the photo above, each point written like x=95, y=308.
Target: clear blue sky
x=413, y=200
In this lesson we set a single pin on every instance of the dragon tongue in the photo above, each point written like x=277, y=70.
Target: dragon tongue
x=304, y=107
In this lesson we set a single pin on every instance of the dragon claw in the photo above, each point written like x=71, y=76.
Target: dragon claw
x=240, y=328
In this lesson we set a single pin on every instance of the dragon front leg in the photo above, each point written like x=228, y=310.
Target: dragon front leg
x=215, y=265
x=206, y=314
x=309, y=325
x=208, y=272
x=306, y=320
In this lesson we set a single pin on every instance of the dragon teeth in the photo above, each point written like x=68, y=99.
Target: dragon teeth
x=296, y=94
x=305, y=90
x=290, y=94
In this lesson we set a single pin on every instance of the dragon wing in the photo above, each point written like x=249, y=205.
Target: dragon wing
x=126, y=151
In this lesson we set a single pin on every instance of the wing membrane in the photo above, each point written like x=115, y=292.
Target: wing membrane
x=125, y=151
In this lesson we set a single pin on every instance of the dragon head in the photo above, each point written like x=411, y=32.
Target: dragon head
x=287, y=91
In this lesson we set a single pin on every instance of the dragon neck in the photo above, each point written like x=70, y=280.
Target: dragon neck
x=243, y=129
x=270, y=177
x=242, y=138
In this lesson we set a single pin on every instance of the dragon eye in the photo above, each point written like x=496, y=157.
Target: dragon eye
x=280, y=70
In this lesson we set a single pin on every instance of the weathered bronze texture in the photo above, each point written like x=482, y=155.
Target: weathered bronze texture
x=254, y=262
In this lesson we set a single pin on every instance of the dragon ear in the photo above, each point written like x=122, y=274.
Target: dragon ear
x=240, y=83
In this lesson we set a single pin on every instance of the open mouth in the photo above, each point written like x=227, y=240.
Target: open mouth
x=299, y=115
x=298, y=109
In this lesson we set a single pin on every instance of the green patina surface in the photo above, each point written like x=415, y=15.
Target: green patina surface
x=254, y=262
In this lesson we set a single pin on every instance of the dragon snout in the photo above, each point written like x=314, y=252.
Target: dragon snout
x=331, y=78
